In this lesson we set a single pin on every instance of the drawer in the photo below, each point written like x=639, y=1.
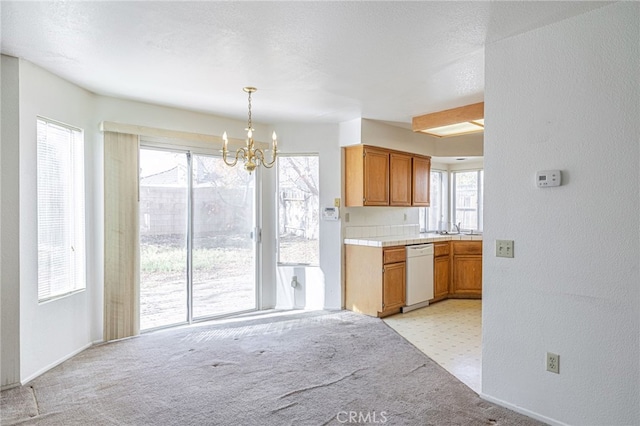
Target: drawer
x=441, y=249
x=394, y=255
x=467, y=247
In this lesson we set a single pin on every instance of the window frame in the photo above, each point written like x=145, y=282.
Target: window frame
x=74, y=197
x=424, y=212
x=479, y=195
x=279, y=262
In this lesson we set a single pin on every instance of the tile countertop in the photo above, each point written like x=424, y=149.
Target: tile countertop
x=404, y=240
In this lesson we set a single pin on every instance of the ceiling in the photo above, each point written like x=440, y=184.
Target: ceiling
x=323, y=62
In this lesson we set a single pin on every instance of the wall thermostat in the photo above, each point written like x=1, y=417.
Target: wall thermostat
x=330, y=213
x=548, y=178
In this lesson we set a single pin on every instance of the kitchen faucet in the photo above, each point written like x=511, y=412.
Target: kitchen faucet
x=457, y=227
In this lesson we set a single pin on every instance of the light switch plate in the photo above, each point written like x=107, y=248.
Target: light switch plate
x=504, y=248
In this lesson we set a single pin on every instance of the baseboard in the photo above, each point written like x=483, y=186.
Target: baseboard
x=54, y=364
x=11, y=386
x=521, y=410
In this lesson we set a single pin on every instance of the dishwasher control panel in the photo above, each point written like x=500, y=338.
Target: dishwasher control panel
x=419, y=250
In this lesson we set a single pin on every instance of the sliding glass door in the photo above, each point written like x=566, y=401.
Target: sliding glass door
x=197, y=255
x=163, y=238
x=224, y=267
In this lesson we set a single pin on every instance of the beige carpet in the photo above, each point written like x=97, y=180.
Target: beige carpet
x=314, y=368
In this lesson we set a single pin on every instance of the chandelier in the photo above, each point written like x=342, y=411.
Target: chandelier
x=251, y=155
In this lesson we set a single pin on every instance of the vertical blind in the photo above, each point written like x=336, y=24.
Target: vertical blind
x=60, y=194
x=121, y=236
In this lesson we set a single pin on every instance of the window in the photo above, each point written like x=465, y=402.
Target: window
x=434, y=218
x=298, y=210
x=60, y=194
x=467, y=199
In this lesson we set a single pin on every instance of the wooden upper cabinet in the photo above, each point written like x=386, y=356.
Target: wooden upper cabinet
x=421, y=181
x=366, y=176
x=376, y=177
x=399, y=179
x=382, y=177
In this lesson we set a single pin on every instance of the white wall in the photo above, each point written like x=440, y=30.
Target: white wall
x=9, y=224
x=49, y=331
x=566, y=97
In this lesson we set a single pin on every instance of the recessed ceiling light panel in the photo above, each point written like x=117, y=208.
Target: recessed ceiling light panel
x=451, y=122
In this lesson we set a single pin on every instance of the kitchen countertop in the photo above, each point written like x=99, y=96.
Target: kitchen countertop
x=404, y=240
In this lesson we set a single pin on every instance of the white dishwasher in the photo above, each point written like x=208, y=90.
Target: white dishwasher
x=419, y=284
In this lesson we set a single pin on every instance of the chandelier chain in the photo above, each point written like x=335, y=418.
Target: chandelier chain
x=249, y=123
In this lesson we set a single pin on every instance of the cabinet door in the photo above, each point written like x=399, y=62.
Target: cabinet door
x=441, y=268
x=421, y=181
x=399, y=179
x=376, y=177
x=467, y=274
x=393, y=286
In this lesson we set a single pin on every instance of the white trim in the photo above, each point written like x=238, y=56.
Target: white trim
x=54, y=364
x=61, y=124
x=521, y=410
x=197, y=142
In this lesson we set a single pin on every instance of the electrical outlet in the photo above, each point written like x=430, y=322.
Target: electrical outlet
x=553, y=363
x=504, y=248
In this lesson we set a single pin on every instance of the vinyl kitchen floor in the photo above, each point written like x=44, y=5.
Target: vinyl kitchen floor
x=450, y=333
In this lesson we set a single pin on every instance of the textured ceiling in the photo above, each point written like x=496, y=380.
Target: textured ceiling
x=311, y=61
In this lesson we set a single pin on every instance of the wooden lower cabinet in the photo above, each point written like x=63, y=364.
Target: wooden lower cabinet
x=375, y=279
x=466, y=269
x=393, y=286
x=441, y=269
